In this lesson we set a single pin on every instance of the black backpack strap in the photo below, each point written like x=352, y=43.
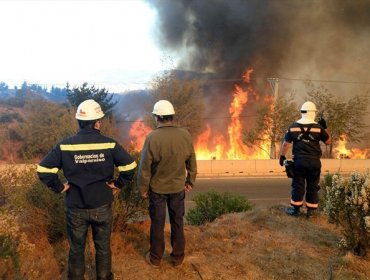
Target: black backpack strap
x=305, y=134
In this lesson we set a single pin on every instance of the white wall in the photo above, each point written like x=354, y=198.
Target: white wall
x=272, y=167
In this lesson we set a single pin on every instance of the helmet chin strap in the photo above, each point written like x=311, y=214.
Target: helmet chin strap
x=308, y=117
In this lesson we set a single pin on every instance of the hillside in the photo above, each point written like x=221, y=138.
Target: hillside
x=259, y=244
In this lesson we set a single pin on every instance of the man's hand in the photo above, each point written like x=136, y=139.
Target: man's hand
x=145, y=195
x=188, y=187
x=66, y=187
x=115, y=190
x=322, y=122
x=281, y=160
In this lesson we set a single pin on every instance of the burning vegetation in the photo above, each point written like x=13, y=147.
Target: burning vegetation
x=230, y=145
x=355, y=153
x=227, y=143
x=278, y=40
x=227, y=139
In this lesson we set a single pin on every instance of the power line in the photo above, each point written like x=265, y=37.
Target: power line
x=207, y=118
x=326, y=81
x=127, y=83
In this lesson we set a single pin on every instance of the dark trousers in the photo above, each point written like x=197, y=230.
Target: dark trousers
x=306, y=181
x=157, y=211
x=78, y=222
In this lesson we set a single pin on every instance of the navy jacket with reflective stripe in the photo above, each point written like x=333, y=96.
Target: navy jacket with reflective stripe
x=87, y=160
x=306, y=147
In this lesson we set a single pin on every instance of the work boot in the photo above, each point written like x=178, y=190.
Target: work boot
x=311, y=212
x=293, y=211
x=149, y=261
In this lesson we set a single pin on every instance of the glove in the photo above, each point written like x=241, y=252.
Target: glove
x=322, y=122
x=281, y=160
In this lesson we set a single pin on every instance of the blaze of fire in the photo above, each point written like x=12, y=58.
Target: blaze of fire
x=202, y=150
x=216, y=147
x=221, y=146
x=237, y=149
x=354, y=153
x=138, y=132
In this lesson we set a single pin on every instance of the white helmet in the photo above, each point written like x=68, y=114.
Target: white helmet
x=308, y=106
x=89, y=110
x=163, y=108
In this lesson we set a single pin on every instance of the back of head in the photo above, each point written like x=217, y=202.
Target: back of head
x=89, y=110
x=308, y=106
x=164, y=110
x=308, y=112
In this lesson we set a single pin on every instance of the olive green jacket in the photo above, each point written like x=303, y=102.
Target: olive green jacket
x=167, y=160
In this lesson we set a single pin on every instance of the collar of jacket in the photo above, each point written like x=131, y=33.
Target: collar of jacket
x=165, y=125
x=88, y=130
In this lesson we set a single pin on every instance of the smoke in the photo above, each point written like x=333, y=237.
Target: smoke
x=310, y=39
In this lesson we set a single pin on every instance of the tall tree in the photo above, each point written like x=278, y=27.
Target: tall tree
x=45, y=124
x=3, y=87
x=185, y=95
x=347, y=118
x=271, y=123
x=79, y=94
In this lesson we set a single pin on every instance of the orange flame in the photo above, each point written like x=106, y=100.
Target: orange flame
x=138, y=132
x=234, y=148
x=354, y=153
x=237, y=148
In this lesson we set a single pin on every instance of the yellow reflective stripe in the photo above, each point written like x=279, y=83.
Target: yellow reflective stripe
x=127, y=167
x=87, y=147
x=315, y=129
x=42, y=169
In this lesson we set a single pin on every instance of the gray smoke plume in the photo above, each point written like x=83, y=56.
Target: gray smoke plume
x=293, y=40
x=311, y=39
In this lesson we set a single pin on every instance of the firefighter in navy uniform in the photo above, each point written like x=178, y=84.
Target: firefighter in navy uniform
x=88, y=159
x=305, y=135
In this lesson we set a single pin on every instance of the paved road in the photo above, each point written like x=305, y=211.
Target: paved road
x=261, y=191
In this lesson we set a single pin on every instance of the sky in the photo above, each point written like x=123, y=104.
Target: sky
x=107, y=43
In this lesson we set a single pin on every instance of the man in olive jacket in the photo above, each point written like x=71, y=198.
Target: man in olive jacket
x=167, y=170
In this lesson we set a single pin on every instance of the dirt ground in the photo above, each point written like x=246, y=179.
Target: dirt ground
x=259, y=244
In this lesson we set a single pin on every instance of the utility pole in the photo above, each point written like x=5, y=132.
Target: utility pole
x=274, y=83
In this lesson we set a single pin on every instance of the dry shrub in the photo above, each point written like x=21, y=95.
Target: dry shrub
x=268, y=244
x=49, y=207
x=13, y=243
x=25, y=225
x=128, y=206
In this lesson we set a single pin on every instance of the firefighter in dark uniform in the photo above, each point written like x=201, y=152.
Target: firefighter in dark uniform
x=305, y=134
x=88, y=159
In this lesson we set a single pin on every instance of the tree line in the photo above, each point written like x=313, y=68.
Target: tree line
x=32, y=130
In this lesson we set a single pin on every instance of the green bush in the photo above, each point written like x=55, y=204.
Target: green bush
x=9, y=249
x=348, y=205
x=327, y=181
x=9, y=117
x=210, y=205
